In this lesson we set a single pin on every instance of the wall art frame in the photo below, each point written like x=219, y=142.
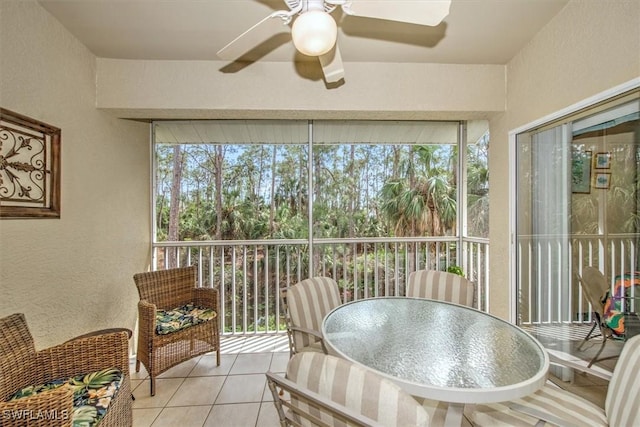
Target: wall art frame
x=30, y=167
x=602, y=160
x=602, y=180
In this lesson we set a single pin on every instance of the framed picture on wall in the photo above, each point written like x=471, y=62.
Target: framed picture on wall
x=581, y=171
x=602, y=180
x=29, y=167
x=602, y=161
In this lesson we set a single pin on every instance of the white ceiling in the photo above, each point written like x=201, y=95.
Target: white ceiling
x=474, y=32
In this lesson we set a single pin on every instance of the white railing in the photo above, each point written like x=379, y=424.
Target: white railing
x=249, y=274
x=549, y=268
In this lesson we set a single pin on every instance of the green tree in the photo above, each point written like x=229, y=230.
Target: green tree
x=421, y=201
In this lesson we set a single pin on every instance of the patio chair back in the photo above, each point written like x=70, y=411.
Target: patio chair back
x=167, y=288
x=329, y=391
x=17, y=356
x=440, y=285
x=622, y=405
x=308, y=302
x=594, y=286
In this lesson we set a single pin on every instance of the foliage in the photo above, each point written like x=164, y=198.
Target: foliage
x=258, y=191
x=358, y=191
x=455, y=270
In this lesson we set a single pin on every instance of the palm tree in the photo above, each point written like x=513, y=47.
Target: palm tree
x=478, y=187
x=421, y=201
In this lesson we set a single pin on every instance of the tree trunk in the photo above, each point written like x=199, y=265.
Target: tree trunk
x=272, y=212
x=352, y=190
x=412, y=186
x=174, y=209
x=219, y=158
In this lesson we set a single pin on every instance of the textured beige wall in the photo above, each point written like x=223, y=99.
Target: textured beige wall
x=49, y=267
x=73, y=274
x=166, y=89
x=589, y=47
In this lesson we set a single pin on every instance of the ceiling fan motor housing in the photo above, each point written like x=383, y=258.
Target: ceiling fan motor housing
x=306, y=5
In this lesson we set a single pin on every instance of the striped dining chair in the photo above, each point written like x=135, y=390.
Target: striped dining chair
x=306, y=303
x=556, y=406
x=325, y=390
x=440, y=285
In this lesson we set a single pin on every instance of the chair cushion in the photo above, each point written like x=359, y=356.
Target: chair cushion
x=355, y=387
x=182, y=317
x=437, y=411
x=618, y=303
x=92, y=394
x=549, y=399
x=315, y=347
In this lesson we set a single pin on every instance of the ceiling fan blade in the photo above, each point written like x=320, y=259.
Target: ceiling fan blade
x=332, y=65
x=263, y=30
x=421, y=12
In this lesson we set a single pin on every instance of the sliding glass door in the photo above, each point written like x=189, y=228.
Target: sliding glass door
x=577, y=195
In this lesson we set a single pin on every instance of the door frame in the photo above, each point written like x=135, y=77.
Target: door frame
x=572, y=109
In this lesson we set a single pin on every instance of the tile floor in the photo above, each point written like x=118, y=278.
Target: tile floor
x=198, y=393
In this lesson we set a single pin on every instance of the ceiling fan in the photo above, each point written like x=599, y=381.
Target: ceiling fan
x=314, y=29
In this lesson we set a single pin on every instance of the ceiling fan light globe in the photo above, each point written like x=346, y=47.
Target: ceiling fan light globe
x=314, y=33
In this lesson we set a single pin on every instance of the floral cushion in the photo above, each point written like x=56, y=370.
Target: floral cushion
x=181, y=317
x=626, y=287
x=92, y=394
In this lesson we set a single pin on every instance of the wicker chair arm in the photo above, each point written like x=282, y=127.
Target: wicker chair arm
x=147, y=316
x=206, y=297
x=84, y=355
x=50, y=408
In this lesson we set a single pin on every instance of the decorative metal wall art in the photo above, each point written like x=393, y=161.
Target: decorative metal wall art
x=29, y=167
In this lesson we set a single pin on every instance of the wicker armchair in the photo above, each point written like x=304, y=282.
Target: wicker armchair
x=166, y=290
x=22, y=366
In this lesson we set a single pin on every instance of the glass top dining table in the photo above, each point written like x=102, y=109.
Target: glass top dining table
x=438, y=350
